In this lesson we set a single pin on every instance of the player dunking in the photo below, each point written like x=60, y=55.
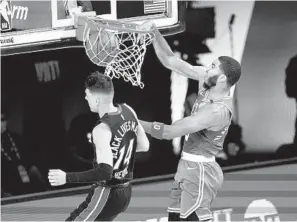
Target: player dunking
x=116, y=139
x=198, y=177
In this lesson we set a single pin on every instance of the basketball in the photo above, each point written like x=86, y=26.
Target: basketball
x=101, y=47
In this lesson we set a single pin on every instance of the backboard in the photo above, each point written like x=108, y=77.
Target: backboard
x=30, y=26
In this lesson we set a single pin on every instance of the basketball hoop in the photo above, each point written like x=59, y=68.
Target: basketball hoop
x=118, y=46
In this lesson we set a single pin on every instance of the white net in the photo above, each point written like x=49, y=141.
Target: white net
x=118, y=46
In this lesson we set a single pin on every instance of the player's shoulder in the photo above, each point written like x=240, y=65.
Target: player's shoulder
x=102, y=130
x=130, y=109
x=215, y=109
x=220, y=110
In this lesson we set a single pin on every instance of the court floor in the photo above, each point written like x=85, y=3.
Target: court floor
x=266, y=194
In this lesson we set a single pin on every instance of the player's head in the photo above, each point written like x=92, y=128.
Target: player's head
x=99, y=91
x=224, y=71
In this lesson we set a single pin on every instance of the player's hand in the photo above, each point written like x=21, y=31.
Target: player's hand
x=57, y=177
x=147, y=26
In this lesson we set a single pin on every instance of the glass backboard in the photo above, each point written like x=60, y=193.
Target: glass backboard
x=30, y=26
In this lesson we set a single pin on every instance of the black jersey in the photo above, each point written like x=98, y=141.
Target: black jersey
x=123, y=125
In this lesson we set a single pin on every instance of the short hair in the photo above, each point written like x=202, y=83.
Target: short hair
x=231, y=69
x=97, y=82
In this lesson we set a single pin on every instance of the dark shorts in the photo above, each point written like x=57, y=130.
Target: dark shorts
x=103, y=203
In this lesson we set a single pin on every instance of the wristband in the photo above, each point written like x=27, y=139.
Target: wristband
x=157, y=130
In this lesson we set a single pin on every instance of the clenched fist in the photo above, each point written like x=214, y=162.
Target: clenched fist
x=57, y=177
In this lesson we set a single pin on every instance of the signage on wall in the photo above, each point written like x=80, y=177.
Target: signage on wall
x=47, y=71
x=258, y=210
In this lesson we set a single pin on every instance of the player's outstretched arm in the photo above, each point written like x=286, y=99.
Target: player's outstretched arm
x=169, y=59
x=208, y=116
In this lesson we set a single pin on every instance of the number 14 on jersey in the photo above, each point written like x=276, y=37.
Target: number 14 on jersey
x=121, y=162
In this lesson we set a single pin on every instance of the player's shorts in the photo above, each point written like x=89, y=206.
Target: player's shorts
x=195, y=186
x=103, y=203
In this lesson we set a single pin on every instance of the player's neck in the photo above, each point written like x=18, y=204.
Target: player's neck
x=107, y=108
x=218, y=92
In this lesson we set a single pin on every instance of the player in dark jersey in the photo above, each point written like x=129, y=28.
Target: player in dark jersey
x=198, y=176
x=116, y=138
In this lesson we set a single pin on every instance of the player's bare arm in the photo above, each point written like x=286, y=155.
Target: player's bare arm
x=143, y=143
x=101, y=138
x=104, y=159
x=170, y=60
x=211, y=115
